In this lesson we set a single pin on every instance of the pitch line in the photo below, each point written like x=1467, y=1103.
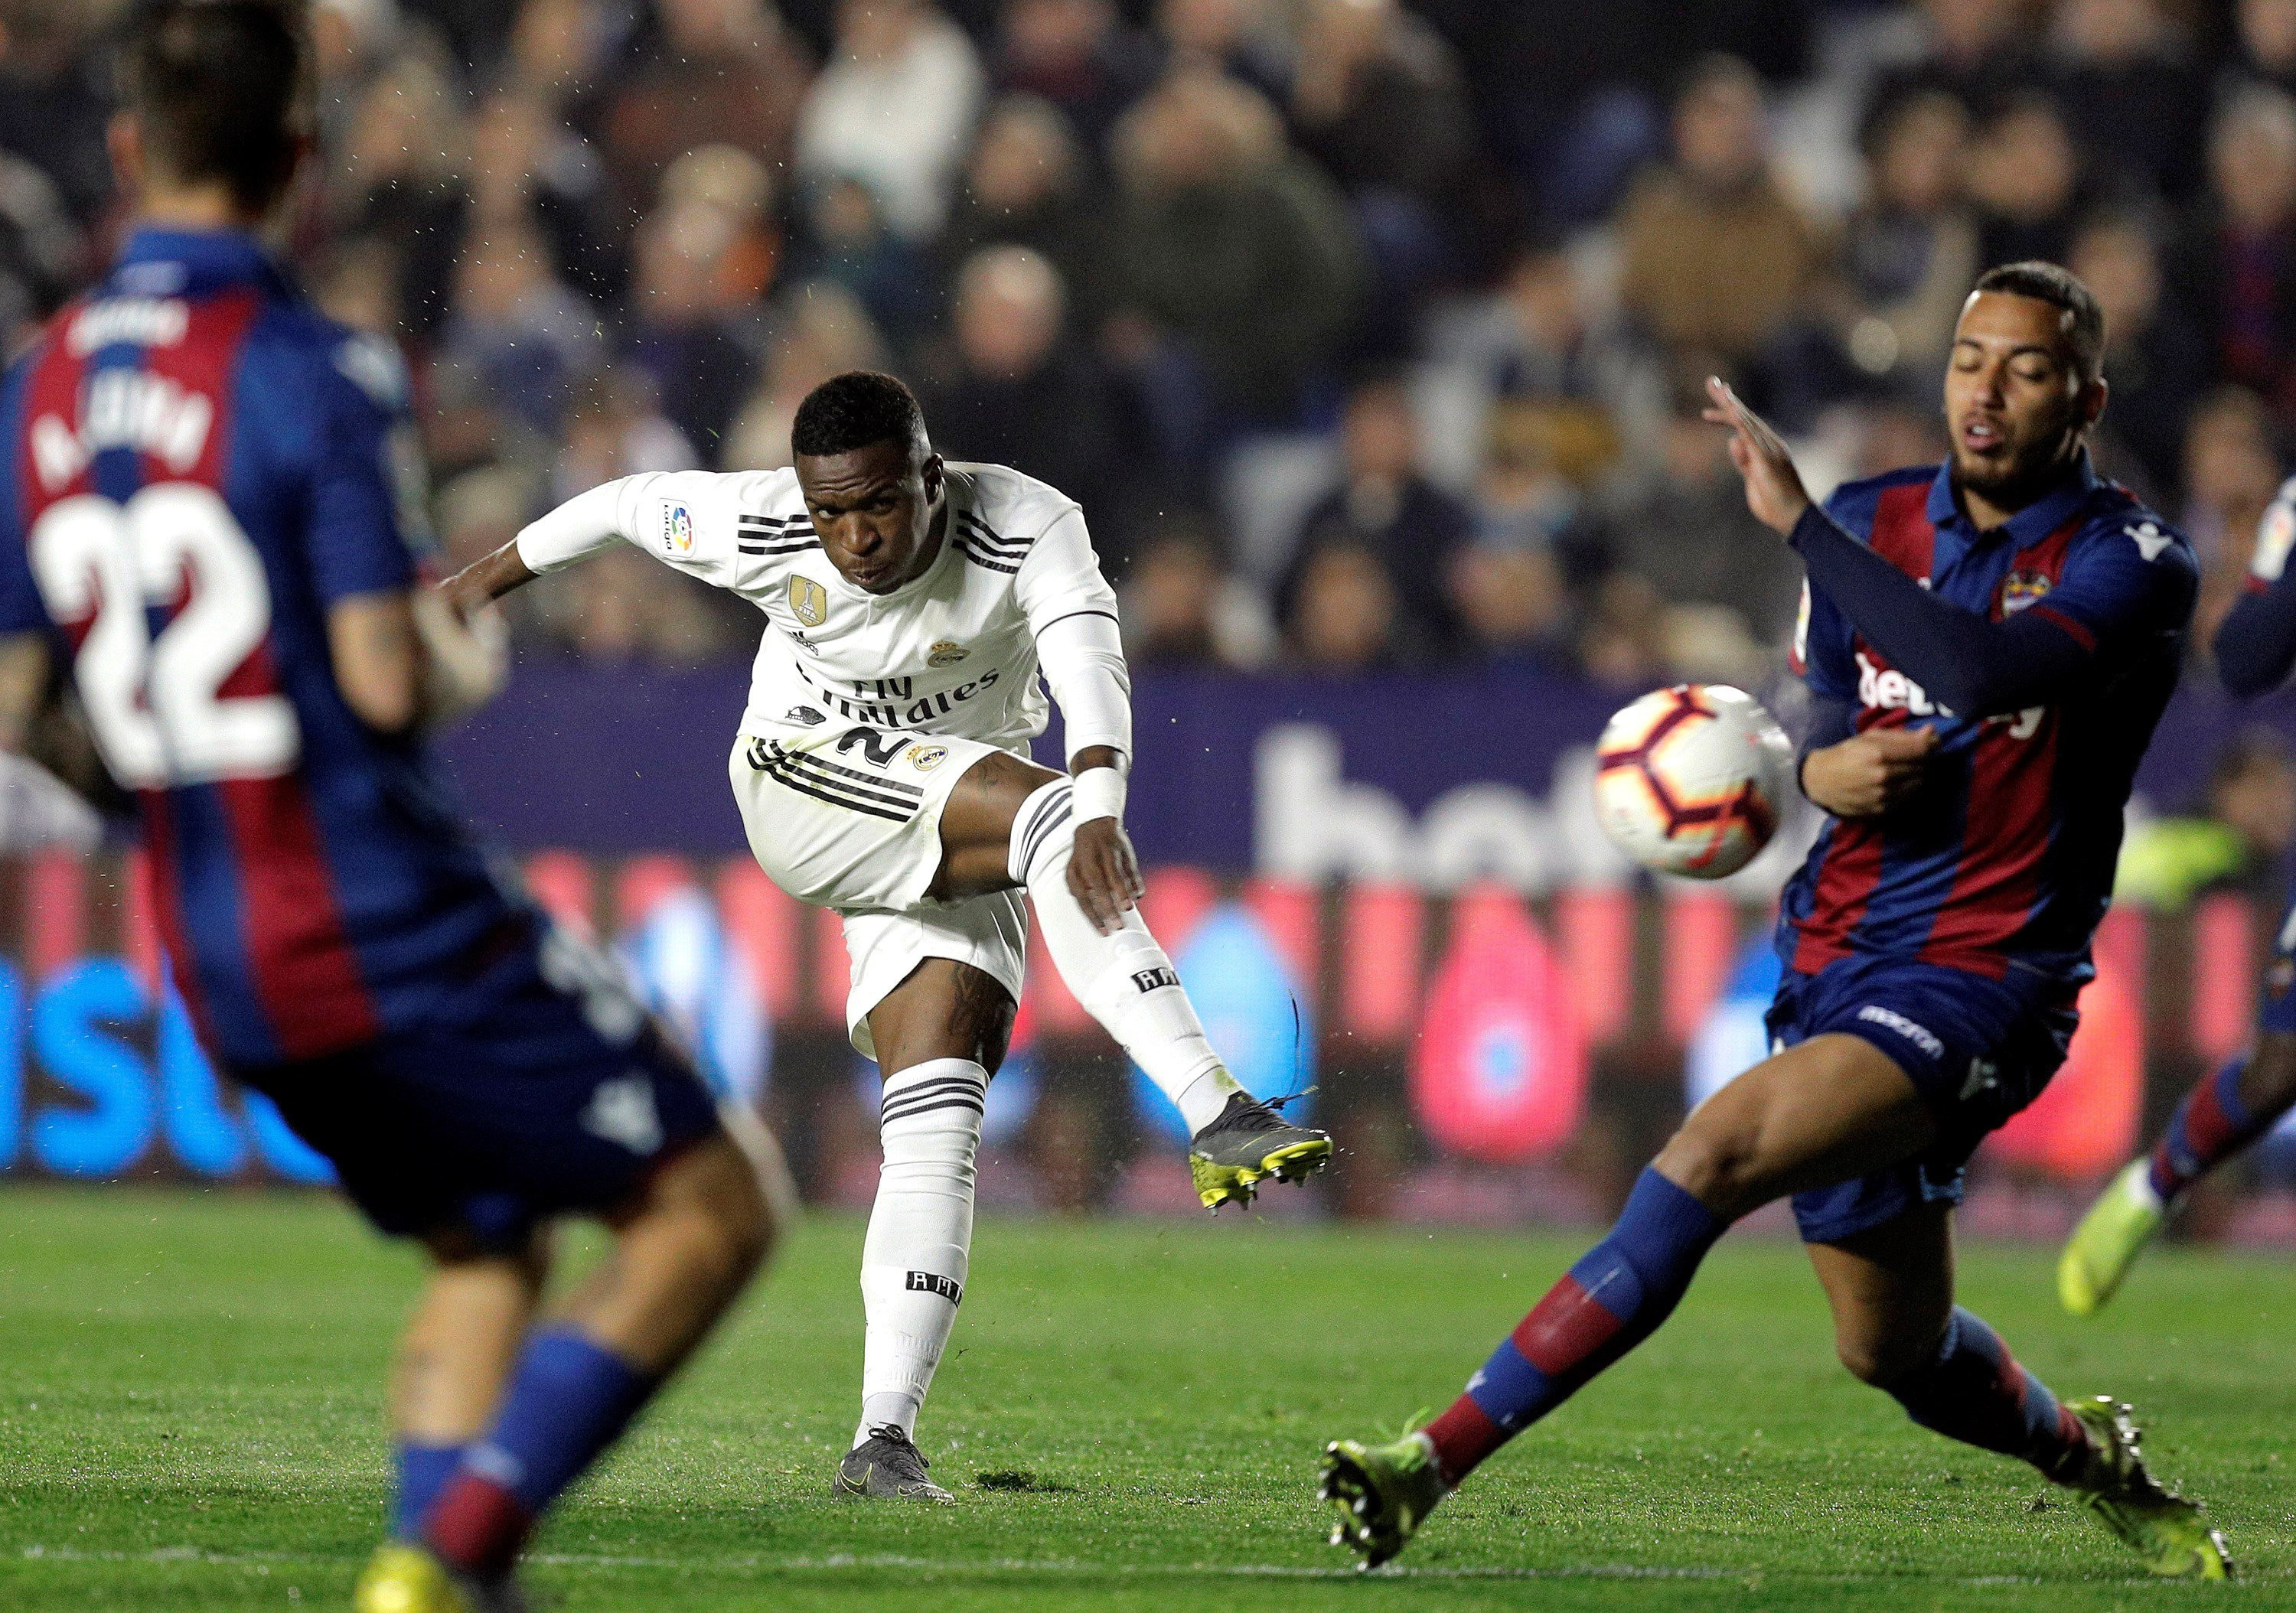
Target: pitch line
x=989, y=1567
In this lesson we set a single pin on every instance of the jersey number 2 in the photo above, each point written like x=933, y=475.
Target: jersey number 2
x=157, y=704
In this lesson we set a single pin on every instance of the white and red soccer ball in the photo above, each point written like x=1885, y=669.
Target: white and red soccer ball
x=1693, y=780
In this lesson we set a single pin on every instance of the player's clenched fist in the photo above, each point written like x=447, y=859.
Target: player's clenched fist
x=1868, y=774
x=1103, y=875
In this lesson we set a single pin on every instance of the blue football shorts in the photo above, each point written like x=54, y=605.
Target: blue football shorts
x=536, y=1086
x=1977, y=1050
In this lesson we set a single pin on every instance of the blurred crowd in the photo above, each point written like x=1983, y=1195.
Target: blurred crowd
x=1369, y=332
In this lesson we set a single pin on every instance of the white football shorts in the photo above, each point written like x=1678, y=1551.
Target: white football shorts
x=849, y=820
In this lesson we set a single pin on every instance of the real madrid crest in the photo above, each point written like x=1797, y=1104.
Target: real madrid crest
x=809, y=601
x=947, y=652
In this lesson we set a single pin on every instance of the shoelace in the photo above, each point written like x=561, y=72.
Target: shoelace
x=900, y=1441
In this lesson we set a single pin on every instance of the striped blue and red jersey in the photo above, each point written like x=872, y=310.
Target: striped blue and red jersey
x=198, y=466
x=2003, y=857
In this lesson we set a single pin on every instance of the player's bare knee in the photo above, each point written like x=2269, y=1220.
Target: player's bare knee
x=1884, y=1354
x=1713, y=1160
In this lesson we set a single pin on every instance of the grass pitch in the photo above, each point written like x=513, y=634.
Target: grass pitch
x=1130, y=1413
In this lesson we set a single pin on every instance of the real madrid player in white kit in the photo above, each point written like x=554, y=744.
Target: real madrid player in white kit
x=882, y=771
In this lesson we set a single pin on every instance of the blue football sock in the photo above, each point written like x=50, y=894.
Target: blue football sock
x=568, y=1400
x=424, y=1470
x=1974, y=1390
x=1610, y=1301
x=2210, y=1126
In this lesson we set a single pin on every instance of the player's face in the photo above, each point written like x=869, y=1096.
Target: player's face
x=874, y=509
x=2013, y=403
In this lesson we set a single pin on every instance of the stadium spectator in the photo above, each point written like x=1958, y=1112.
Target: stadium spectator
x=1513, y=602
x=517, y=324
x=2134, y=94
x=1907, y=255
x=1530, y=496
x=1241, y=38
x=2264, y=48
x=529, y=166
x=1343, y=616
x=723, y=71
x=612, y=429
x=39, y=249
x=2153, y=356
x=1378, y=101
x=2231, y=471
x=1232, y=263
x=824, y=331
x=1183, y=608
x=1716, y=258
x=704, y=264
x=1025, y=185
x=401, y=183
x=55, y=95
x=893, y=111
x=1078, y=56
x=1385, y=507
x=2025, y=175
x=1685, y=528
x=1975, y=51
x=2237, y=260
x=1016, y=395
x=1537, y=339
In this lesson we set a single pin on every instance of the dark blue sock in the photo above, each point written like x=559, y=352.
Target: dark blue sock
x=424, y=1470
x=568, y=1400
x=1610, y=1301
x=1974, y=1391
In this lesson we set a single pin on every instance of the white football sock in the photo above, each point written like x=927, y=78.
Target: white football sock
x=914, y=1259
x=1124, y=980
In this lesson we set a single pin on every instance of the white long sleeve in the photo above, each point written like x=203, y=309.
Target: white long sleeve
x=1071, y=610
x=583, y=526
x=684, y=519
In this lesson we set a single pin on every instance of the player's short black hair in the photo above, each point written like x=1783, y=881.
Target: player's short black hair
x=854, y=410
x=221, y=90
x=2060, y=288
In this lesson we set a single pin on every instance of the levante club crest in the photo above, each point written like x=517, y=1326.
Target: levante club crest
x=2019, y=589
x=809, y=601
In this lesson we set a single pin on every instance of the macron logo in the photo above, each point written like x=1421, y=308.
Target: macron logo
x=1919, y=1036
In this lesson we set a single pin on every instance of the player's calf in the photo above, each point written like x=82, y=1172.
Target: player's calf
x=700, y=1228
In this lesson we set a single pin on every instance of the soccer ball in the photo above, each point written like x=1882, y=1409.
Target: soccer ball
x=1691, y=779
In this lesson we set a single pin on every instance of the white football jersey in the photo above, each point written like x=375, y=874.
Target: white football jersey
x=953, y=652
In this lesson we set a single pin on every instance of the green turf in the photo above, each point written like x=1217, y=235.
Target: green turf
x=189, y=1387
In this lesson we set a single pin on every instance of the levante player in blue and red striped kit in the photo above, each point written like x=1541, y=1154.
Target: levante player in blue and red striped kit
x=2255, y=651
x=208, y=517
x=1989, y=644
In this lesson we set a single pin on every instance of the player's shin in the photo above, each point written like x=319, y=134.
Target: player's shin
x=1616, y=1296
x=1124, y=979
x=569, y=1398
x=1972, y=1390
x=914, y=1259
x=2214, y=1122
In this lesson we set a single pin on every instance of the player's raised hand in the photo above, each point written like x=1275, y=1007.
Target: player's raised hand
x=1774, y=489
x=1103, y=875
x=1868, y=774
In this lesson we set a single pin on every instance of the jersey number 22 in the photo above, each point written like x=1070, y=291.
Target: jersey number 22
x=156, y=702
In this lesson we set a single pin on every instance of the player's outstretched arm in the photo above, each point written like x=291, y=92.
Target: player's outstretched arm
x=41, y=721
x=1973, y=665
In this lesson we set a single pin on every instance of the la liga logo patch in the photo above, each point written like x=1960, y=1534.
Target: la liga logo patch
x=676, y=528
